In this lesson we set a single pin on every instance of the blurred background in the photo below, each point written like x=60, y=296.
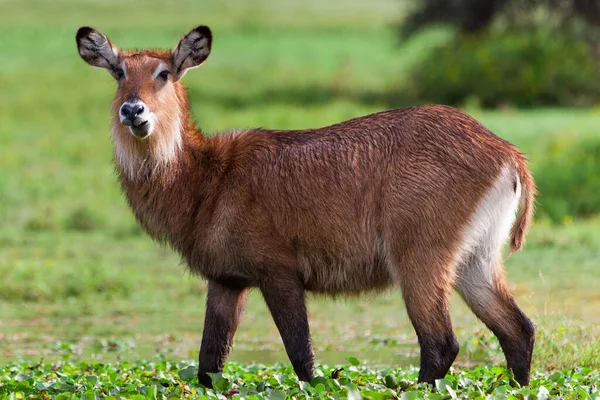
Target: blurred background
x=79, y=279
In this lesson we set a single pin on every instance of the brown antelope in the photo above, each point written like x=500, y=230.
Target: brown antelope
x=421, y=198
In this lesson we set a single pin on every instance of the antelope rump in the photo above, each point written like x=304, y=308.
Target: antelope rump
x=421, y=198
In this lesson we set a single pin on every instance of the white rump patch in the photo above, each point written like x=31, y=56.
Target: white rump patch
x=485, y=235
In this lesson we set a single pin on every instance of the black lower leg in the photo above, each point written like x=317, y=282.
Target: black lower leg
x=223, y=309
x=438, y=352
x=517, y=344
x=285, y=298
x=430, y=317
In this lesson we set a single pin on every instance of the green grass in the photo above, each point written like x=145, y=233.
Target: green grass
x=78, y=278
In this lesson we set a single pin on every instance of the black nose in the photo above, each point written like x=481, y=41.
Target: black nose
x=129, y=111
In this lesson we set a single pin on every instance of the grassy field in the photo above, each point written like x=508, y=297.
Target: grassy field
x=78, y=278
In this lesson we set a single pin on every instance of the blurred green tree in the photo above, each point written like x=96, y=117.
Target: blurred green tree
x=519, y=52
x=472, y=16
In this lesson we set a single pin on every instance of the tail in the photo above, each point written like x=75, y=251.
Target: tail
x=526, y=205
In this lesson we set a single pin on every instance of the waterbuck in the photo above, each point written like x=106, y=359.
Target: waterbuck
x=421, y=199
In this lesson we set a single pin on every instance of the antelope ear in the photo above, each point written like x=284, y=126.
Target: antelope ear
x=96, y=50
x=192, y=50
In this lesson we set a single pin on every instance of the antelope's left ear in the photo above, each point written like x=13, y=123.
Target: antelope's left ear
x=192, y=50
x=95, y=49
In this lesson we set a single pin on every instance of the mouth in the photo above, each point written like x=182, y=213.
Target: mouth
x=138, y=118
x=138, y=127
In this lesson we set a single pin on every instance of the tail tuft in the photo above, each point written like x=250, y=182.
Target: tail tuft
x=526, y=206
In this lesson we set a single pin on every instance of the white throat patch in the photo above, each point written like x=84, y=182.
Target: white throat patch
x=145, y=158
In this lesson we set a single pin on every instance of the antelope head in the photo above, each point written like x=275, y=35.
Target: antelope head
x=150, y=105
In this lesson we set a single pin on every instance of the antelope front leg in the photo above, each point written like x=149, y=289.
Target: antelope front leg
x=224, y=305
x=284, y=296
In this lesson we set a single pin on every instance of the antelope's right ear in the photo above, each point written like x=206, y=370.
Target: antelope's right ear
x=96, y=50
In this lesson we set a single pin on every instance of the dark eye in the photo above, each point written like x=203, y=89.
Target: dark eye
x=119, y=73
x=164, y=74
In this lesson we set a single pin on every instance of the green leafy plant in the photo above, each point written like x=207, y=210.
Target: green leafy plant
x=161, y=379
